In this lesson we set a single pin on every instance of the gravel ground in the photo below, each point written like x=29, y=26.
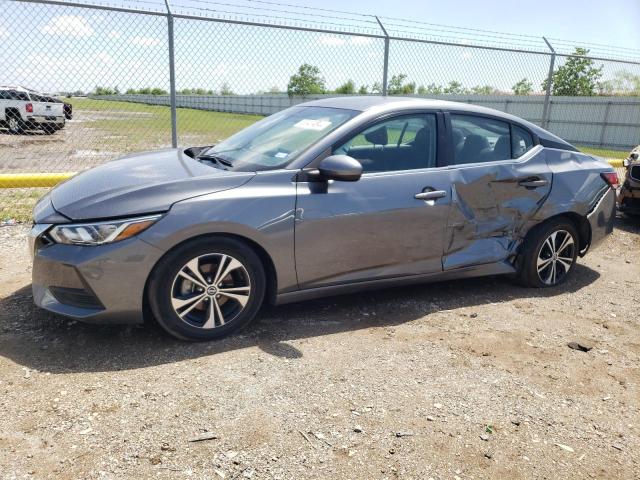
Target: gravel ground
x=76, y=147
x=465, y=379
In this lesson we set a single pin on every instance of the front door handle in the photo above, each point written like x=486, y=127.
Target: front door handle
x=534, y=183
x=430, y=195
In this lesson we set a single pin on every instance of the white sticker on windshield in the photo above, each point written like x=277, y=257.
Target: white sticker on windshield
x=281, y=155
x=309, y=124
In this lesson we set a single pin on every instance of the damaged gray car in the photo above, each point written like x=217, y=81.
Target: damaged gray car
x=328, y=197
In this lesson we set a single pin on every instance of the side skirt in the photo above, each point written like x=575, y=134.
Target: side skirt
x=500, y=268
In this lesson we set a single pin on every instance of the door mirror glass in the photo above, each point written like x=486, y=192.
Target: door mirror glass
x=340, y=167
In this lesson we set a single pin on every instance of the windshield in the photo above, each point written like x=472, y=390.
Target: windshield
x=277, y=140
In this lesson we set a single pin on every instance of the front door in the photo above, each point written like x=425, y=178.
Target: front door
x=376, y=227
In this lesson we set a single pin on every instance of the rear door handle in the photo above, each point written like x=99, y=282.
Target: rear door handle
x=533, y=183
x=430, y=195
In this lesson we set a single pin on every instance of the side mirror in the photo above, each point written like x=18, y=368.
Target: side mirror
x=340, y=167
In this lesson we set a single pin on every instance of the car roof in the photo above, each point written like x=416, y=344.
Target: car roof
x=13, y=87
x=383, y=104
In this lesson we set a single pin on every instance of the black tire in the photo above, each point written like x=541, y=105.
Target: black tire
x=165, y=281
x=14, y=123
x=535, y=247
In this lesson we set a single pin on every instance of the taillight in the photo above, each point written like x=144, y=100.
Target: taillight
x=611, y=178
x=29, y=107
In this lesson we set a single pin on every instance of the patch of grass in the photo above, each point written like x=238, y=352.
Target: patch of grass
x=604, y=152
x=17, y=203
x=139, y=126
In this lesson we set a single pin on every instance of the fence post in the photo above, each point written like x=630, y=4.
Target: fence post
x=172, y=78
x=547, y=94
x=605, y=121
x=385, y=68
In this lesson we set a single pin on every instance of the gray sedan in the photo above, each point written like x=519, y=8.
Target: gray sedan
x=328, y=197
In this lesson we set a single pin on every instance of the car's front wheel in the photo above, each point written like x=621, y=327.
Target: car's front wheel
x=207, y=288
x=549, y=254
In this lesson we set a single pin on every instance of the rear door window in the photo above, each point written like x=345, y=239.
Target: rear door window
x=479, y=139
x=15, y=95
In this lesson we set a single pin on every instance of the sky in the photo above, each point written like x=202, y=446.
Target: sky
x=613, y=22
x=56, y=48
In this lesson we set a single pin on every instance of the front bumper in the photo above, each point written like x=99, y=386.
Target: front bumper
x=98, y=284
x=629, y=198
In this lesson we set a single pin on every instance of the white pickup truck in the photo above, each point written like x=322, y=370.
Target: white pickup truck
x=22, y=109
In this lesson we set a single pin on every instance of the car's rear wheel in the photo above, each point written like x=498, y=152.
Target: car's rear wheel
x=549, y=254
x=207, y=288
x=15, y=124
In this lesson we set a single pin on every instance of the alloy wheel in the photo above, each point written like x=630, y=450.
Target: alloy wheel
x=14, y=125
x=556, y=257
x=210, y=290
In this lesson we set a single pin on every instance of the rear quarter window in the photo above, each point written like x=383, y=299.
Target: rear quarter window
x=521, y=141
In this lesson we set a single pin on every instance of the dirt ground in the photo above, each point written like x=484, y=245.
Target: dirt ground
x=78, y=146
x=457, y=380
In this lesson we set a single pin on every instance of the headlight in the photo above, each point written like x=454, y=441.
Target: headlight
x=99, y=233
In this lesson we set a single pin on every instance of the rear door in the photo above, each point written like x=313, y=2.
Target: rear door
x=499, y=180
x=376, y=227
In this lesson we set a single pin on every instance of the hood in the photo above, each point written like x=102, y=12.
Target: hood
x=139, y=184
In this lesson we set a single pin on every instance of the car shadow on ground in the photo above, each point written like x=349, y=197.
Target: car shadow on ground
x=29, y=132
x=37, y=340
x=629, y=224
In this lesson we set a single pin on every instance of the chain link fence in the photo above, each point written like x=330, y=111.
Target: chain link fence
x=154, y=75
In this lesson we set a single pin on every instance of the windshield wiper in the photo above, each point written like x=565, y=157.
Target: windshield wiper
x=216, y=162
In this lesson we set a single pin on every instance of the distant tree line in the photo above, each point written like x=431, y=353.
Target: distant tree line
x=577, y=76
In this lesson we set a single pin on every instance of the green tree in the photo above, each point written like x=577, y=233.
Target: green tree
x=523, y=87
x=577, y=77
x=363, y=90
x=454, y=88
x=103, y=90
x=431, y=89
x=307, y=81
x=622, y=83
x=484, y=90
x=376, y=88
x=225, y=89
x=347, y=88
x=397, y=85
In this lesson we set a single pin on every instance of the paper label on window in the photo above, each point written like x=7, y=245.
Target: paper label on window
x=309, y=124
x=281, y=155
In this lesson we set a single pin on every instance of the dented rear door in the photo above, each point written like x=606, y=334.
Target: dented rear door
x=491, y=203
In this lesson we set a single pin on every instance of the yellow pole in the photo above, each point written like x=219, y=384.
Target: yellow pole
x=29, y=180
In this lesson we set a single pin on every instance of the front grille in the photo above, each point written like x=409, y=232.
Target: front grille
x=75, y=297
x=635, y=172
